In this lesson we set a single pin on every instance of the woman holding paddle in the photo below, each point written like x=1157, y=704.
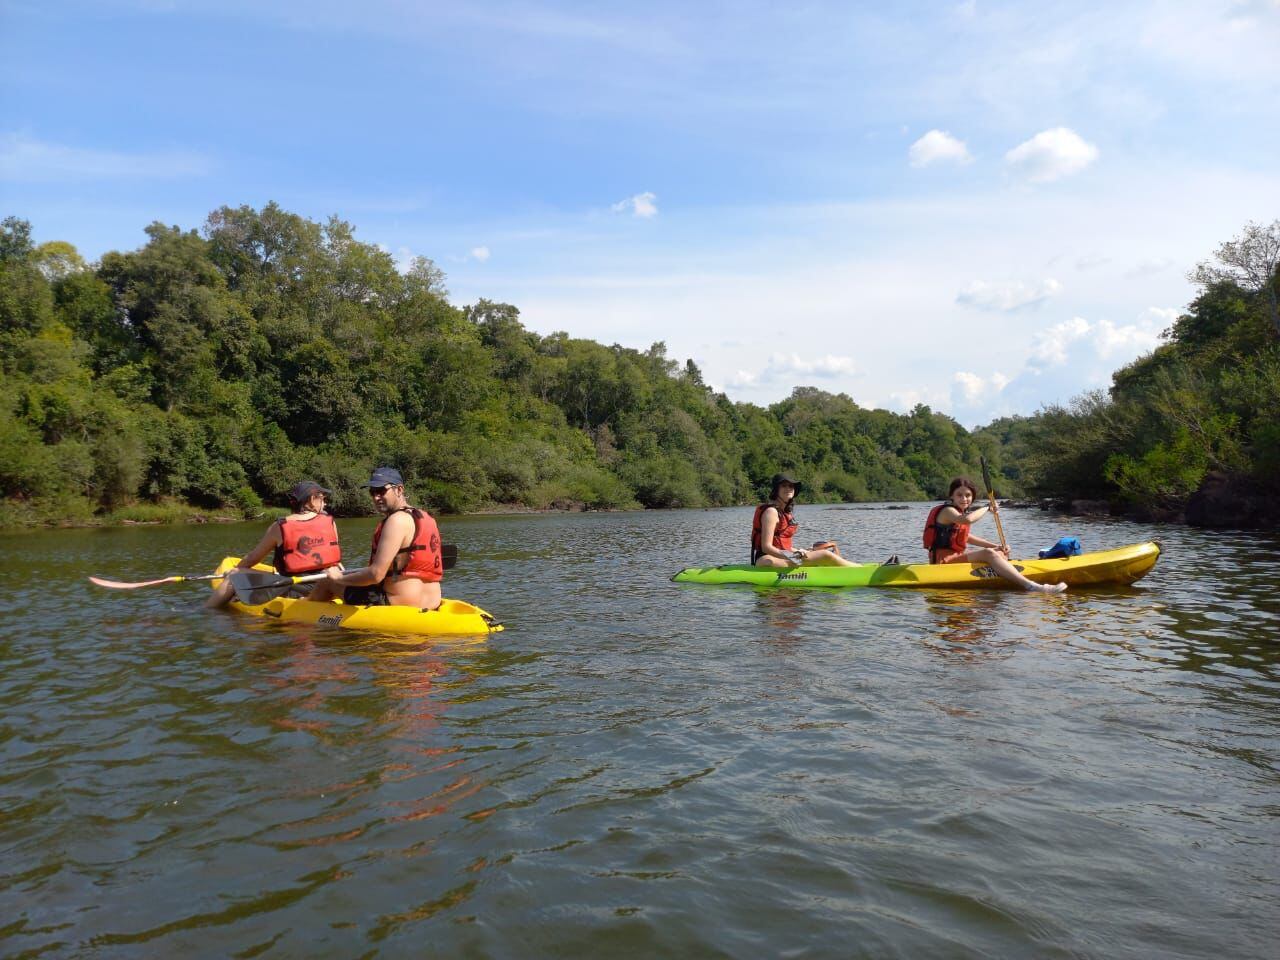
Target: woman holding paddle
x=775, y=524
x=947, y=537
x=304, y=542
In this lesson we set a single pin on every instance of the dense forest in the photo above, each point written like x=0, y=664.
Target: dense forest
x=215, y=368
x=211, y=369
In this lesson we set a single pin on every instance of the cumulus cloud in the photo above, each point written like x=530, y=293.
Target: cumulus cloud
x=1007, y=295
x=1065, y=360
x=787, y=367
x=969, y=389
x=25, y=159
x=480, y=253
x=1051, y=155
x=642, y=205
x=1078, y=339
x=938, y=146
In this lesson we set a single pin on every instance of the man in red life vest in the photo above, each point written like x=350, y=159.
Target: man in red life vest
x=405, y=563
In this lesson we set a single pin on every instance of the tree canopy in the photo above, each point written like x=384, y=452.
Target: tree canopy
x=216, y=367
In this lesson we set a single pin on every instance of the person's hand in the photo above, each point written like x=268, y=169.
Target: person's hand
x=1004, y=549
x=799, y=556
x=333, y=573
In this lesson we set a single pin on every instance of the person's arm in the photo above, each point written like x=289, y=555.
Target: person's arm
x=769, y=524
x=270, y=540
x=396, y=533
x=948, y=516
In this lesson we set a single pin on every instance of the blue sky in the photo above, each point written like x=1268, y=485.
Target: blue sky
x=982, y=206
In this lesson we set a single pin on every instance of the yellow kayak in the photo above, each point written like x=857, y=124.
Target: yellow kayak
x=1120, y=566
x=451, y=618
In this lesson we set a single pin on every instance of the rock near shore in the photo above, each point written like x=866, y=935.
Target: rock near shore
x=1226, y=501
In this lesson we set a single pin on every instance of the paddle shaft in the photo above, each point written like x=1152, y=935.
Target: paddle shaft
x=991, y=496
x=127, y=585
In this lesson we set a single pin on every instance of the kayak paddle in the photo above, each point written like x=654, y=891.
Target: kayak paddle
x=122, y=585
x=254, y=587
x=991, y=495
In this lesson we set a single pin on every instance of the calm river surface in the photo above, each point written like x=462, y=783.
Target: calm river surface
x=640, y=768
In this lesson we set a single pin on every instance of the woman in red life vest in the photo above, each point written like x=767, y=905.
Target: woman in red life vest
x=947, y=536
x=405, y=564
x=306, y=541
x=773, y=526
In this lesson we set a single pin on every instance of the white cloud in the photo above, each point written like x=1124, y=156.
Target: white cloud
x=480, y=253
x=641, y=205
x=786, y=367
x=969, y=389
x=1064, y=360
x=937, y=146
x=27, y=160
x=1051, y=155
x=1091, y=260
x=1077, y=339
x=1007, y=295
x=1147, y=267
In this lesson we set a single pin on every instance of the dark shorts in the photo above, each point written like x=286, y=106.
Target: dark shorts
x=371, y=596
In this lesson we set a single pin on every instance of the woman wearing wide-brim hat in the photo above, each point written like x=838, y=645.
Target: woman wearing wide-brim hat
x=774, y=526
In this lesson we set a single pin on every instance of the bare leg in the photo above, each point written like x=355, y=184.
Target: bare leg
x=825, y=558
x=324, y=591
x=764, y=560
x=220, y=596
x=997, y=562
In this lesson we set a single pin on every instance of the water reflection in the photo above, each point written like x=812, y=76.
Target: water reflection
x=900, y=764
x=782, y=612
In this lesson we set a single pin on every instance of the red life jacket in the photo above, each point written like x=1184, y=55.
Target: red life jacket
x=943, y=539
x=422, y=559
x=307, y=546
x=783, y=531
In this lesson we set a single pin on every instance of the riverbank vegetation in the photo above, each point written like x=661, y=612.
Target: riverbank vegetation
x=215, y=368
x=208, y=370
x=1193, y=427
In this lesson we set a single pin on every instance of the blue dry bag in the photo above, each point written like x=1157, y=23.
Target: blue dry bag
x=1065, y=547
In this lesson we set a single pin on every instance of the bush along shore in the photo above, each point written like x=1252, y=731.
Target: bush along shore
x=203, y=373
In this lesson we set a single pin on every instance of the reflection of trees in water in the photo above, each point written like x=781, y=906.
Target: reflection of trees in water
x=381, y=699
x=782, y=611
x=962, y=624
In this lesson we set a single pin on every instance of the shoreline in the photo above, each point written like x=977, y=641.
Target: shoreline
x=174, y=515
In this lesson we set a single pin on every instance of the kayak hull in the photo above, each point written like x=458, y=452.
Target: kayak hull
x=451, y=618
x=1121, y=566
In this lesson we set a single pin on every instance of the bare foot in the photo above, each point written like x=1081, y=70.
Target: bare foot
x=1049, y=587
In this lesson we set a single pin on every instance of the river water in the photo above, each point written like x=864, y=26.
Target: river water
x=640, y=768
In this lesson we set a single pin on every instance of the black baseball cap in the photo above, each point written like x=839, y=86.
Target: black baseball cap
x=780, y=478
x=305, y=488
x=385, y=477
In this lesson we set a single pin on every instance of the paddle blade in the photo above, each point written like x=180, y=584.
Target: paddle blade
x=986, y=478
x=256, y=587
x=449, y=555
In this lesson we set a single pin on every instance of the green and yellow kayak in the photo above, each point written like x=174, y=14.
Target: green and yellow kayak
x=1120, y=566
x=451, y=618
